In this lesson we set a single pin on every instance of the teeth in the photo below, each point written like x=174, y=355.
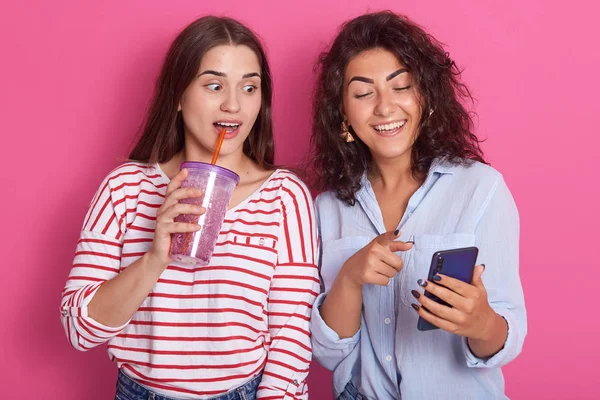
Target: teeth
x=390, y=127
x=227, y=124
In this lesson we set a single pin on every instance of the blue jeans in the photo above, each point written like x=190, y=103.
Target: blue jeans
x=351, y=393
x=128, y=389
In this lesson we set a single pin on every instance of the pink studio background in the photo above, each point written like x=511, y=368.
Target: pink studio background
x=76, y=78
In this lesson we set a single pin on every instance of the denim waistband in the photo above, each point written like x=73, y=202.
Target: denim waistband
x=127, y=386
x=351, y=393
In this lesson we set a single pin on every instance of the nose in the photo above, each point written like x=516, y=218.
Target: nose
x=385, y=105
x=230, y=102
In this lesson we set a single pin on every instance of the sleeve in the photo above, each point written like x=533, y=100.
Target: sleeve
x=328, y=348
x=293, y=290
x=497, y=237
x=97, y=260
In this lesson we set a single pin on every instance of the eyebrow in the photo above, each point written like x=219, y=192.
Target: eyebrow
x=217, y=73
x=395, y=74
x=387, y=78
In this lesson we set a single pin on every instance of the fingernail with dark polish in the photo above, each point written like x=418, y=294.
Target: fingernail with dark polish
x=483, y=265
x=416, y=294
x=396, y=231
x=422, y=283
x=437, y=278
x=416, y=306
x=411, y=242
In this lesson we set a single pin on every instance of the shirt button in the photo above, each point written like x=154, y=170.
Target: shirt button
x=261, y=242
x=388, y=358
x=65, y=312
x=295, y=382
x=387, y=321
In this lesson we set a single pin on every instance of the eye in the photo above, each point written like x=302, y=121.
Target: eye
x=214, y=87
x=249, y=88
x=361, y=96
x=401, y=89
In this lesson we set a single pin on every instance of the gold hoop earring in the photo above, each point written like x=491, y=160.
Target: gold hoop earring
x=346, y=135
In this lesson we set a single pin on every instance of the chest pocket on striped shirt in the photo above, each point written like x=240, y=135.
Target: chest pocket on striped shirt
x=254, y=250
x=255, y=241
x=418, y=259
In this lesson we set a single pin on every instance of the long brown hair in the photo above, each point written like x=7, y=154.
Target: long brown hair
x=162, y=135
x=447, y=133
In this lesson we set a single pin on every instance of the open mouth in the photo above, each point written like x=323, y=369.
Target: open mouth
x=229, y=126
x=390, y=127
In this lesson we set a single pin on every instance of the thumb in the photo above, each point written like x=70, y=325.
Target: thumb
x=388, y=240
x=476, y=281
x=398, y=245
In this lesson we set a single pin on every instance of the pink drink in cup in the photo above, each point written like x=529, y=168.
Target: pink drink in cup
x=196, y=248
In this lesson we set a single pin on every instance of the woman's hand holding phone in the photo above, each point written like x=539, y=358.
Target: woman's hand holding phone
x=469, y=313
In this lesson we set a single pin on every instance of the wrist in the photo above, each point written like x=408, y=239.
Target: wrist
x=348, y=283
x=494, y=324
x=152, y=262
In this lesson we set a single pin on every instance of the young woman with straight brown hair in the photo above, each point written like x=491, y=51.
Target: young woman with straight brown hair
x=236, y=328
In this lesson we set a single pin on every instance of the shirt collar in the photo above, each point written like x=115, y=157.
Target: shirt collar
x=441, y=166
x=438, y=166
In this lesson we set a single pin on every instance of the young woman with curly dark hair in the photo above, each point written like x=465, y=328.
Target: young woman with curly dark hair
x=394, y=150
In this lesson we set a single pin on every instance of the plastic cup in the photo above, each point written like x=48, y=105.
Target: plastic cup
x=196, y=248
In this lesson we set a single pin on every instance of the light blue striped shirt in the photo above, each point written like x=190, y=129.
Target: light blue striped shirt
x=388, y=358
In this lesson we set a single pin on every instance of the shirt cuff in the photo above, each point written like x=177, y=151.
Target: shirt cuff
x=93, y=328
x=502, y=356
x=323, y=334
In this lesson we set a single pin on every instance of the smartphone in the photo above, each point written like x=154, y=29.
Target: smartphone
x=456, y=263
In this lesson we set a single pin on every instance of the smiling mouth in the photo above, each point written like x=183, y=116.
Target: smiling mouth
x=391, y=127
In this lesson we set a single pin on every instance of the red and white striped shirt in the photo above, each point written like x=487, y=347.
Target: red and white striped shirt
x=203, y=331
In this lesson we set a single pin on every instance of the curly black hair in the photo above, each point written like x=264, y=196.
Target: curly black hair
x=447, y=133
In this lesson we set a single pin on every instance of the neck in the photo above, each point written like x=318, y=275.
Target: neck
x=390, y=174
x=237, y=162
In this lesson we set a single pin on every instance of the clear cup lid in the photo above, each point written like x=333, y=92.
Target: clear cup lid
x=212, y=168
